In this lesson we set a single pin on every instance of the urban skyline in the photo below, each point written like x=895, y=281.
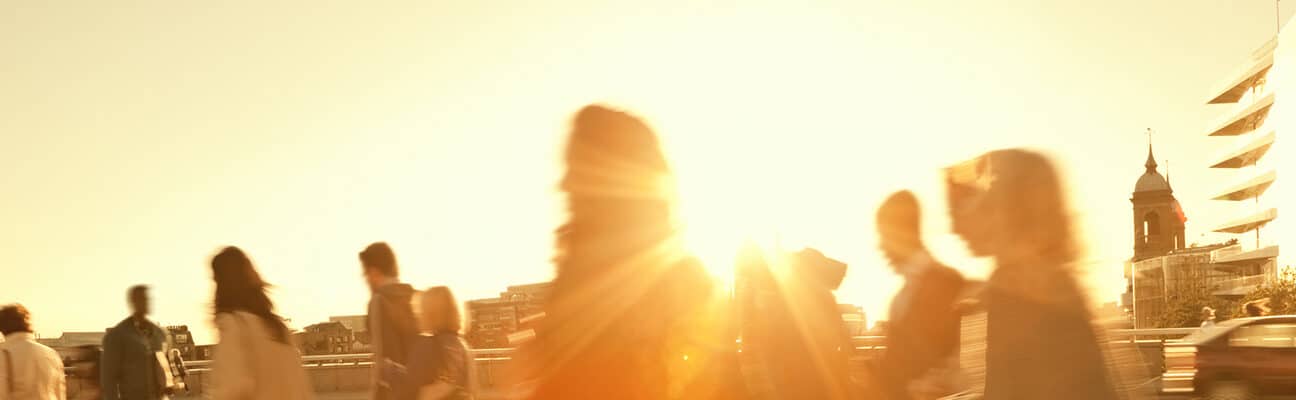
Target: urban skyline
x=305, y=194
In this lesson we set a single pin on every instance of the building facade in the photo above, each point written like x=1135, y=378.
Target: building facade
x=1158, y=218
x=325, y=338
x=1249, y=128
x=1164, y=268
x=182, y=340
x=359, y=326
x=492, y=321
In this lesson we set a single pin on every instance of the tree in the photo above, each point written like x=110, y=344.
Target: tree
x=1184, y=308
x=1188, y=291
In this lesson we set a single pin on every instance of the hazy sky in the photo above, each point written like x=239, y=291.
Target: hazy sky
x=136, y=139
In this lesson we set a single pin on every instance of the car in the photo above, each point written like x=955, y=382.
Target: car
x=1243, y=358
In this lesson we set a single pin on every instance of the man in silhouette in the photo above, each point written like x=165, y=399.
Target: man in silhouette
x=129, y=368
x=923, y=327
x=391, y=317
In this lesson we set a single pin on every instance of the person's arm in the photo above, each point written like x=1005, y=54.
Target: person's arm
x=110, y=367
x=426, y=369
x=231, y=376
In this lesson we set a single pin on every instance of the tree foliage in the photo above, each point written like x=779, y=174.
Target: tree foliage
x=1281, y=294
x=1184, y=305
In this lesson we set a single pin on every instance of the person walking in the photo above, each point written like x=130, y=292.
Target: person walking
x=923, y=327
x=255, y=358
x=794, y=342
x=130, y=368
x=391, y=318
x=621, y=320
x=1041, y=343
x=28, y=370
x=439, y=365
x=1208, y=317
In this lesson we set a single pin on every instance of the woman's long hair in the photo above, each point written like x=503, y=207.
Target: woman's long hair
x=623, y=282
x=239, y=288
x=443, y=319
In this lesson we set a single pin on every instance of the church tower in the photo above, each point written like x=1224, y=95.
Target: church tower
x=1158, y=218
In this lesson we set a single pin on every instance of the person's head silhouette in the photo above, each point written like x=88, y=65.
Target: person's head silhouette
x=1010, y=204
x=899, y=227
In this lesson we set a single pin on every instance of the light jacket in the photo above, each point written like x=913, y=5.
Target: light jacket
x=35, y=371
x=249, y=364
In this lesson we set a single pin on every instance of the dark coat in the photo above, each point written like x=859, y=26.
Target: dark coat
x=391, y=321
x=438, y=358
x=1040, y=340
x=129, y=366
x=925, y=333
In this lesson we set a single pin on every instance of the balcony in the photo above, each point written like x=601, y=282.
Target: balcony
x=1248, y=154
x=1246, y=119
x=1246, y=258
x=1241, y=286
x=1249, y=189
x=1232, y=89
x=1249, y=223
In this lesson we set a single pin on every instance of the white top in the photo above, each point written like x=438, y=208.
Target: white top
x=37, y=370
x=249, y=364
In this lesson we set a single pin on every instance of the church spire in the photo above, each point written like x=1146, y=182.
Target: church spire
x=1151, y=161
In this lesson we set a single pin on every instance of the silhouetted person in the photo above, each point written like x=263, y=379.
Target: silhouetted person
x=1041, y=344
x=129, y=369
x=28, y=370
x=255, y=358
x=391, y=318
x=440, y=366
x=923, y=326
x=623, y=311
x=795, y=343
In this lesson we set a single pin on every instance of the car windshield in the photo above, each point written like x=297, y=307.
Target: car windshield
x=1211, y=332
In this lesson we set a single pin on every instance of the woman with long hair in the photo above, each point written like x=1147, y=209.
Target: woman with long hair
x=440, y=367
x=626, y=296
x=1041, y=342
x=255, y=358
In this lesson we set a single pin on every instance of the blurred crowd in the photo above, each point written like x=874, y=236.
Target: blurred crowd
x=633, y=315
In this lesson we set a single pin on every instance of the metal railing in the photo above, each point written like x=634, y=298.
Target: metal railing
x=325, y=360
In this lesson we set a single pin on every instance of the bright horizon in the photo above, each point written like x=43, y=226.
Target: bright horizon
x=138, y=141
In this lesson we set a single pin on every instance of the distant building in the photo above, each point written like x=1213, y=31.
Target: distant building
x=854, y=318
x=1158, y=218
x=203, y=352
x=493, y=320
x=1260, y=96
x=1163, y=266
x=69, y=346
x=356, y=323
x=182, y=340
x=325, y=338
x=74, y=339
x=1257, y=113
x=359, y=326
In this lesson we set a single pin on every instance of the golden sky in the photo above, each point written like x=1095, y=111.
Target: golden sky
x=137, y=139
